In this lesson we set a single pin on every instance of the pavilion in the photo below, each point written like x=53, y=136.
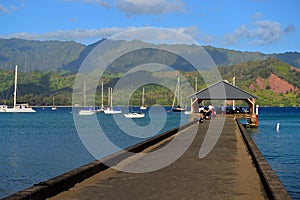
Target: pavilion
x=223, y=90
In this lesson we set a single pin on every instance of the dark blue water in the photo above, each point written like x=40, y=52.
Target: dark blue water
x=281, y=149
x=37, y=146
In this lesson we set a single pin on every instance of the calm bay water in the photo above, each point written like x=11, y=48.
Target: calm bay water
x=37, y=146
x=281, y=149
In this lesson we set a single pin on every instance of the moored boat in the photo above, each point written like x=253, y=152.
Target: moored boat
x=111, y=109
x=17, y=108
x=86, y=110
x=177, y=96
x=143, y=107
x=134, y=115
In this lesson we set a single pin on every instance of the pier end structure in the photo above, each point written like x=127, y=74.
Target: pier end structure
x=223, y=90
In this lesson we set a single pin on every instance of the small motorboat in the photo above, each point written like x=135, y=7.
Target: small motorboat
x=134, y=115
x=86, y=112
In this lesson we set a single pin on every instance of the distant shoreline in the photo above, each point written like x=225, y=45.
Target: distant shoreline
x=158, y=105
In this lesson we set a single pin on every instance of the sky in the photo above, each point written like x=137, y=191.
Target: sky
x=267, y=26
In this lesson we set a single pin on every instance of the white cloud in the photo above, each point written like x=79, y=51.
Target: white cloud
x=260, y=33
x=3, y=9
x=7, y=9
x=99, y=2
x=140, y=7
x=257, y=16
x=191, y=31
x=75, y=34
x=92, y=35
x=265, y=32
x=231, y=38
x=151, y=7
x=289, y=28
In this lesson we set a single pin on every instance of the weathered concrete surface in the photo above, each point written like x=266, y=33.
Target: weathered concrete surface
x=227, y=172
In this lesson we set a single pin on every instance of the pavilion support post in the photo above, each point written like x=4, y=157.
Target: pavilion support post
x=194, y=105
x=253, y=115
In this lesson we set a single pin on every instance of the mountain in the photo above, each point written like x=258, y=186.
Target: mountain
x=221, y=57
x=275, y=83
x=37, y=55
x=57, y=55
x=272, y=81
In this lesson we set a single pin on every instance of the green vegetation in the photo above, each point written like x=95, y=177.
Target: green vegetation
x=37, y=55
x=51, y=68
x=246, y=74
x=58, y=55
x=38, y=88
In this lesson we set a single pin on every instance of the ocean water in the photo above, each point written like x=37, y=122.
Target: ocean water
x=37, y=146
x=281, y=148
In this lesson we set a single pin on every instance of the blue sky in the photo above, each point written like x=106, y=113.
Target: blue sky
x=268, y=26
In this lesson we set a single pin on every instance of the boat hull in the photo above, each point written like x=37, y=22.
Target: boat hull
x=143, y=108
x=134, y=115
x=86, y=112
x=18, y=110
x=178, y=109
x=112, y=111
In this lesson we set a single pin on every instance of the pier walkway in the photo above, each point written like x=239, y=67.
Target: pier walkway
x=227, y=172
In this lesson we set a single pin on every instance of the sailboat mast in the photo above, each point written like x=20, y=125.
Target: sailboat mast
x=143, y=98
x=111, y=92
x=15, y=91
x=84, y=97
x=175, y=93
x=108, y=97
x=196, y=84
x=179, y=93
x=102, y=95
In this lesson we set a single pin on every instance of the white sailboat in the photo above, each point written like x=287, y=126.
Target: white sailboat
x=143, y=107
x=85, y=110
x=110, y=109
x=53, y=105
x=134, y=115
x=102, y=106
x=177, y=95
x=17, y=108
x=193, y=102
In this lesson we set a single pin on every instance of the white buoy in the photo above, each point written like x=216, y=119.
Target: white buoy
x=277, y=127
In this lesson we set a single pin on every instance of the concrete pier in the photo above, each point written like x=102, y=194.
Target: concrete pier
x=227, y=172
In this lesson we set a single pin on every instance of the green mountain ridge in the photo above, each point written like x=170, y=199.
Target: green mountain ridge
x=272, y=81
x=46, y=56
x=33, y=55
x=262, y=78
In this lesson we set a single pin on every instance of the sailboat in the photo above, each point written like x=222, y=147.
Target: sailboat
x=53, y=106
x=143, y=107
x=188, y=112
x=134, y=115
x=177, y=95
x=110, y=109
x=85, y=110
x=17, y=108
x=102, y=106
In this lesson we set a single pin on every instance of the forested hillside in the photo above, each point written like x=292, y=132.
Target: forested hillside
x=58, y=55
x=37, y=55
x=274, y=82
